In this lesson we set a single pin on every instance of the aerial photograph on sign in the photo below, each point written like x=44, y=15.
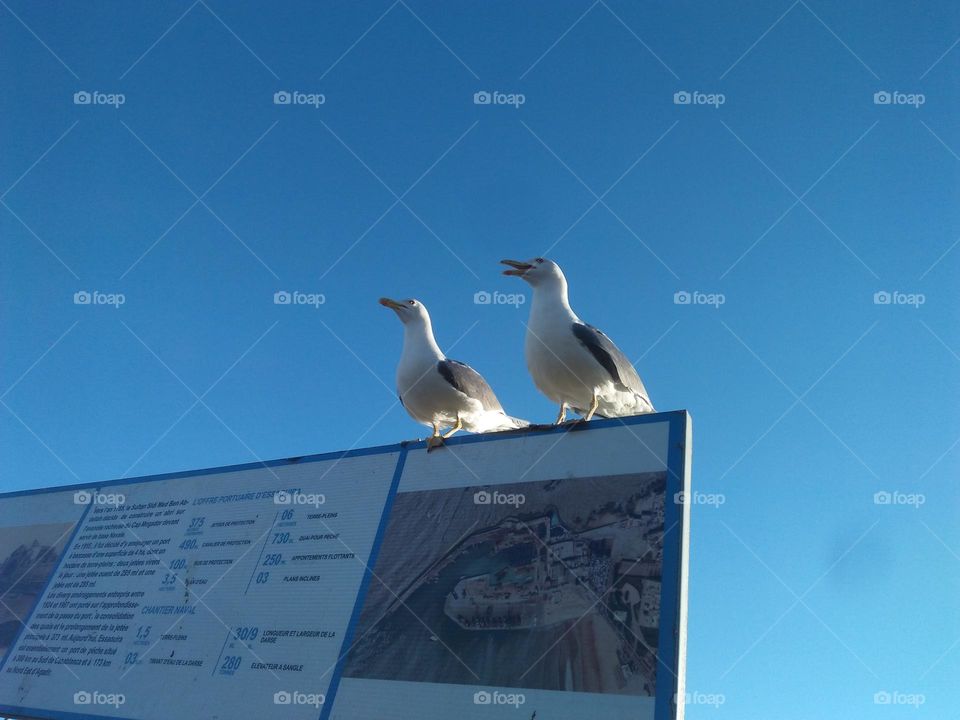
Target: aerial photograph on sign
x=551, y=585
x=28, y=555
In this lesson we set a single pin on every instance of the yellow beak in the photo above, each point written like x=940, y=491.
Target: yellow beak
x=392, y=304
x=518, y=267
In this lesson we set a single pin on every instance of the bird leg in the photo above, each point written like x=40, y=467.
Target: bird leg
x=435, y=440
x=562, y=415
x=593, y=408
x=451, y=431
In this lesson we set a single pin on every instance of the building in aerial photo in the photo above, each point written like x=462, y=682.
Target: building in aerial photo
x=559, y=592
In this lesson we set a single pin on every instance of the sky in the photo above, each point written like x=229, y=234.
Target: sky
x=756, y=200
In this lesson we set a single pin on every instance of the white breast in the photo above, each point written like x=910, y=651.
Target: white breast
x=425, y=394
x=561, y=367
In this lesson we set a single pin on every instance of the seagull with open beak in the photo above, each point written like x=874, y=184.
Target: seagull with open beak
x=572, y=363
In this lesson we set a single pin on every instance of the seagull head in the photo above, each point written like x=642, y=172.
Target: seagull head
x=410, y=311
x=536, y=271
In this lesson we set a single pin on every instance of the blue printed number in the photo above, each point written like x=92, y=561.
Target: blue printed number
x=246, y=633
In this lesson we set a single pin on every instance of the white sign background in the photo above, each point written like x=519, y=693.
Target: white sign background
x=208, y=595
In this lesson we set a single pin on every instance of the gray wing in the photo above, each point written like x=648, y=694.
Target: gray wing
x=617, y=364
x=468, y=381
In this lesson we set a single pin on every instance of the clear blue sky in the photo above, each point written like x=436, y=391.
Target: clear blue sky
x=797, y=199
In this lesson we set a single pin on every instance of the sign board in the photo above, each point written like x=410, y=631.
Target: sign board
x=540, y=571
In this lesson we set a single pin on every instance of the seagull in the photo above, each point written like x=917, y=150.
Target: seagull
x=572, y=363
x=437, y=391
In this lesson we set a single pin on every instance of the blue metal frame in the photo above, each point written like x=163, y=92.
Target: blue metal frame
x=668, y=649
x=668, y=642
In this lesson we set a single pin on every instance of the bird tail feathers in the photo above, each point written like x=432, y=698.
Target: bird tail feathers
x=510, y=423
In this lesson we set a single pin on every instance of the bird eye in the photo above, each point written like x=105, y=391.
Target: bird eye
x=412, y=302
x=540, y=261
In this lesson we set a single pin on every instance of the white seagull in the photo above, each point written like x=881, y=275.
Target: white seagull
x=572, y=363
x=437, y=391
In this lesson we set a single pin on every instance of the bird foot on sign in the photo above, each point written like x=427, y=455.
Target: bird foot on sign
x=434, y=442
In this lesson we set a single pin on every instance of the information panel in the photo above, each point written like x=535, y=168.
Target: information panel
x=535, y=573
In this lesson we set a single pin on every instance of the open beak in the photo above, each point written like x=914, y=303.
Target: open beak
x=392, y=304
x=518, y=267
